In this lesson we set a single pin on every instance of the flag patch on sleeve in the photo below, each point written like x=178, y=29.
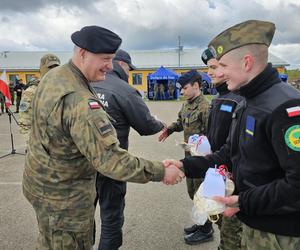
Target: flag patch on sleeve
x=250, y=125
x=294, y=111
x=94, y=105
x=226, y=108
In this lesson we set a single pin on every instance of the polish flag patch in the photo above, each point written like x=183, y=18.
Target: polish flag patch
x=294, y=111
x=94, y=105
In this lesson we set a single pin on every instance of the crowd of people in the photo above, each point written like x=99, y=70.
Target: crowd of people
x=79, y=116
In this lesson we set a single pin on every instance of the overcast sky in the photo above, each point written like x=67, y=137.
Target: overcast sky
x=144, y=24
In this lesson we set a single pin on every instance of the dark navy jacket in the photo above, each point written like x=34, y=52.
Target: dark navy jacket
x=125, y=105
x=220, y=116
x=264, y=148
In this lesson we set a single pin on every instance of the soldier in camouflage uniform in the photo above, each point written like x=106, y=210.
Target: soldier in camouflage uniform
x=192, y=119
x=72, y=138
x=47, y=62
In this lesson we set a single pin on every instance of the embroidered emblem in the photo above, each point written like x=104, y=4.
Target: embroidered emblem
x=292, y=137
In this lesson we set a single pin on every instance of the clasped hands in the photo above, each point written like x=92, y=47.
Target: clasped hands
x=173, y=174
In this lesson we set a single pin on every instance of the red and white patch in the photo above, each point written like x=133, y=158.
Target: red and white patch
x=294, y=111
x=94, y=105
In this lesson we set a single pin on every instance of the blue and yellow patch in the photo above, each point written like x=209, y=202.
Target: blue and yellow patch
x=250, y=125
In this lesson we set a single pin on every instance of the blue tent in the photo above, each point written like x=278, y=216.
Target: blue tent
x=162, y=85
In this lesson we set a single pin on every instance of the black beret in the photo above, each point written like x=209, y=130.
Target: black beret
x=189, y=77
x=97, y=40
x=207, y=55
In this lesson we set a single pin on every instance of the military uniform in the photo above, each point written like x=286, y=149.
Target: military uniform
x=264, y=149
x=25, y=109
x=192, y=119
x=71, y=139
x=48, y=61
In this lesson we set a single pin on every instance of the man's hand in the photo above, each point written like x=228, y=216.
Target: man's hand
x=231, y=202
x=173, y=175
x=163, y=135
x=169, y=162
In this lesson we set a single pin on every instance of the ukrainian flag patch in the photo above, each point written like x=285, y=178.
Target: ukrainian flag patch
x=250, y=125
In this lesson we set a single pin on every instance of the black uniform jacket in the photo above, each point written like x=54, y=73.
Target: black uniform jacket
x=220, y=116
x=125, y=105
x=264, y=147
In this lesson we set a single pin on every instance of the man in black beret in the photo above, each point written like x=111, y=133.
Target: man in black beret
x=192, y=119
x=71, y=139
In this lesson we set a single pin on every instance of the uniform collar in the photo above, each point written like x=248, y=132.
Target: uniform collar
x=267, y=78
x=77, y=71
x=222, y=89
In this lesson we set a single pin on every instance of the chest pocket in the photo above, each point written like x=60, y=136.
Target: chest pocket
x=192, y=118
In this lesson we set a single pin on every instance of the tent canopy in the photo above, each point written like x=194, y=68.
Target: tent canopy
x=163, y=74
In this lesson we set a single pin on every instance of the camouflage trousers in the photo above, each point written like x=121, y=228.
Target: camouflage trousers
x=253, y=239
x=64, y=230
x=192, y=186
x=230, y=233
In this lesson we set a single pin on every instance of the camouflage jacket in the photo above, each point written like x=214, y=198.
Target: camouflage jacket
x=71, y=138
x=192, y=118
x=25, y=114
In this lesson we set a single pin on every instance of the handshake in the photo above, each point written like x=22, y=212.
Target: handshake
x=173, y=172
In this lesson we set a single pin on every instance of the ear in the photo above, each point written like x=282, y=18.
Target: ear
x=82, y=53
x=248, y=62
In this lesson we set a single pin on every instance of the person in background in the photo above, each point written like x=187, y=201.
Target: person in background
x=19, y=87
x=192, y=119
x=127, y=109
x=47, y=62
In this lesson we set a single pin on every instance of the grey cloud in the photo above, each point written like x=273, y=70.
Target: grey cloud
x=34, y=5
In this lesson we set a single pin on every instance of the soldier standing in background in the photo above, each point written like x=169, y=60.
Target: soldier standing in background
x=71, y=138
x=162, y=92
x=192, y=119
x=47, y=62
x=19, y=87
x=127, y=108
x=12, y=92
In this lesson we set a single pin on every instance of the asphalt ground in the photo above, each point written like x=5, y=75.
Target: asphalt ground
x=155, y=214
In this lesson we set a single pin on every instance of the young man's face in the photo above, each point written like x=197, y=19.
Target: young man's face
x=190, y=91
x=232, y=69
x=216, y=76
x=95, y=66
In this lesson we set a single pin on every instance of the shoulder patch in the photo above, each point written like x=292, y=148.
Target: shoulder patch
x=24, y=106
x=94, y=105
x=292, y=137
x=293, y=111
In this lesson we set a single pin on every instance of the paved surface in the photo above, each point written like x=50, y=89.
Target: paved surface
x=155, y=214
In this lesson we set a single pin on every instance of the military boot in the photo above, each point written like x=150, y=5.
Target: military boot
x=203, y=234
x=191, y=229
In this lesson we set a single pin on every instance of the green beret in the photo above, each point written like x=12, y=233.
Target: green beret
x=249, y=32
x=96, y=39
